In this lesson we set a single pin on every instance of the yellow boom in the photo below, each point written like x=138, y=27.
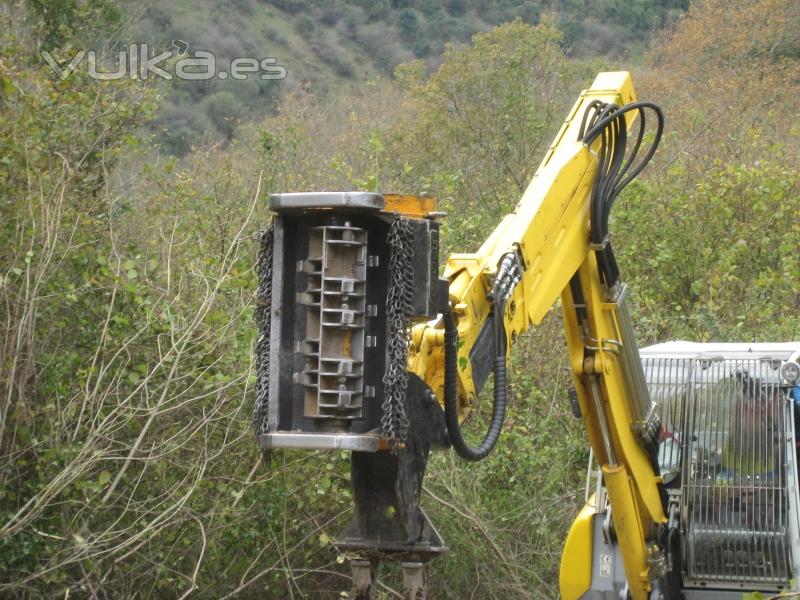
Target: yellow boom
x=549, y=235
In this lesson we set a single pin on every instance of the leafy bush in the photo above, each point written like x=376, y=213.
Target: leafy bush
x=223, y=109
x=739, y=281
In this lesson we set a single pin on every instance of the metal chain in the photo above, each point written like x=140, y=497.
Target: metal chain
x=262, y=319
x=399, y=308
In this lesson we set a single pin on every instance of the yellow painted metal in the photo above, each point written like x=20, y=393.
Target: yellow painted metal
x=638, y=500
x=549, y=229
x=412, y=206
x=575, y=574
x=629, y=527
x=604, y=331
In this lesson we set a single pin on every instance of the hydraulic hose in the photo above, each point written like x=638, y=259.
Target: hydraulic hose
x=454, y=431
x=617, y=167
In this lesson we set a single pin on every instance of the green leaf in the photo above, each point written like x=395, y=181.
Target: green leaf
x=104, y=478
x=7, y=85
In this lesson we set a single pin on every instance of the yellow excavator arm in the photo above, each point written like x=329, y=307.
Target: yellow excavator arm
x=547, y=242
x=344, y=277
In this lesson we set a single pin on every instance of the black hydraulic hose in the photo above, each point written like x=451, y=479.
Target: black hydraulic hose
x=454, y=431
x=617, y=167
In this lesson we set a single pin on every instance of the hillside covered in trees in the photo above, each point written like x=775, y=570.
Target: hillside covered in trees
x=128, y=464
x=330, y=46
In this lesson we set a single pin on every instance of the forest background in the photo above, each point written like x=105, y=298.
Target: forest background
x=128, y=465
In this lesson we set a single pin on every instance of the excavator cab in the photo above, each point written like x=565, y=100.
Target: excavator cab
x=728, y=458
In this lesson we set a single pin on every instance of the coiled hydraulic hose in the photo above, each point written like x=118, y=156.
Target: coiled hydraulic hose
x=454, y=431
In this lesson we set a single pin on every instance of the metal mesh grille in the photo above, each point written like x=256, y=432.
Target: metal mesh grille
x=724, y=424
x=668, y=381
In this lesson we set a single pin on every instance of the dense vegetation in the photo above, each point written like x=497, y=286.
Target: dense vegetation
x=327, y=46
x=127, y=462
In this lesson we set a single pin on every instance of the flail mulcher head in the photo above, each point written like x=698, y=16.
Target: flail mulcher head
x=342, y=275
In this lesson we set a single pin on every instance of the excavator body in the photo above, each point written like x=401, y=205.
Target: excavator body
x=728, y=454
x=363, y=347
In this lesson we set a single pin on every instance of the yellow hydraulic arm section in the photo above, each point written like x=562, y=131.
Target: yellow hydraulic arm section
x=549, y=232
